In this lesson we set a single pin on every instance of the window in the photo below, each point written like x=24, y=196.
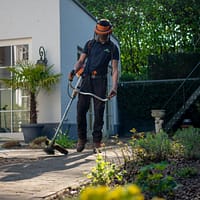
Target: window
x=14, y=104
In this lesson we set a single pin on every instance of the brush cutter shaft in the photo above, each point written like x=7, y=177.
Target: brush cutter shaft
x=60, y=124
x=74, y=93
x=76, y=88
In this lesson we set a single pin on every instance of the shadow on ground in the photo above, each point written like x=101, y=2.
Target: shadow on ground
x=33, y=168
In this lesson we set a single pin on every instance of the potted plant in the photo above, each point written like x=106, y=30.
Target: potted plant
x=31, y=78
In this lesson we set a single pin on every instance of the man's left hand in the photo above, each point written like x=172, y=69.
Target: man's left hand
x=112, y=93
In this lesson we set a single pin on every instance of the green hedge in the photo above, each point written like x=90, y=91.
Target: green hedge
x=137, y=99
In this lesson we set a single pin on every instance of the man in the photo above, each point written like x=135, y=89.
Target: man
x=99, y=52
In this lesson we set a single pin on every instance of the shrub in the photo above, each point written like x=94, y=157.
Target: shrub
x=105, y=173
x=190, y=139
x=152, y=180
x=187, y=172
x=177, y=149
x=157, y=146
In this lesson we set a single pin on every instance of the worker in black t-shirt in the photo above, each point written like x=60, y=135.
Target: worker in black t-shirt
x=99, y=52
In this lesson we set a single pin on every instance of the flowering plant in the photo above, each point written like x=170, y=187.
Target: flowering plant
x=105, y=173
x=128, y=192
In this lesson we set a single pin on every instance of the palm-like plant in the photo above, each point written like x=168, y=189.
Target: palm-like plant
x=32, y=78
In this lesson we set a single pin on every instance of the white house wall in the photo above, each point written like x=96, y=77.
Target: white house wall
x=40, y=21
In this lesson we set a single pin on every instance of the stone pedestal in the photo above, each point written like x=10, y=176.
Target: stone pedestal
x=159, y=119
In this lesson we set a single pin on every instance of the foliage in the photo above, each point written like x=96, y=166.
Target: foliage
x=151, y=179
x=127, y=76
x=186, y=172
x=38, y=142
x=141, y=75
x=127, y=192
x=32, y=78
x=150, y=27
x=105, y=173
x=177, y=149
x=190, y=139
x=64, y=140
x=157, y=146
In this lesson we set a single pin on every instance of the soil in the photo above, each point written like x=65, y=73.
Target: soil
x=188, y=184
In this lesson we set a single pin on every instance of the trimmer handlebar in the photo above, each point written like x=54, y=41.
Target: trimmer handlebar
x=79, y=72
x=76, y=88
x=75, y=72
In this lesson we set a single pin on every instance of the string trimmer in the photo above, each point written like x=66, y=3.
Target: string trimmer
x=51, y=144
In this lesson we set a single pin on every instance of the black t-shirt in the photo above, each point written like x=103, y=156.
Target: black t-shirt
x=99, y=56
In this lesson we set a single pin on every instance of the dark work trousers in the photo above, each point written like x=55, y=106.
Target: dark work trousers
x=98, y=87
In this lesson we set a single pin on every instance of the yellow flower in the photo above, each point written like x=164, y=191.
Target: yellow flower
x=139, y=197
x=129, y=192
x=94, y=193
x=87, y=193
x=133, y=192
x=133, y=189
x=133, y=130
x=115, y=194
x=101, y=190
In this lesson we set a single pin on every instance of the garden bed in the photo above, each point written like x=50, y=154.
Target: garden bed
x=154, y=154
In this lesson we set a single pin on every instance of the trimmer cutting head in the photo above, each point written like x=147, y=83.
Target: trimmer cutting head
x=49, y=150
x=51, y=147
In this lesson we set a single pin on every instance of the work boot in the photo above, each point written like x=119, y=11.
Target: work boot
x=97, y=146
x=80, y=145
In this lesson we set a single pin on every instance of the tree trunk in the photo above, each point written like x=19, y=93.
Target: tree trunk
x=33, y=111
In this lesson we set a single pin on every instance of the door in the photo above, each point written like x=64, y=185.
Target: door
x=14, y=104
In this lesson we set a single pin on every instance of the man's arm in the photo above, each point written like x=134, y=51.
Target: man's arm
x=80, y=62
x=113, y=91
x=114, y=74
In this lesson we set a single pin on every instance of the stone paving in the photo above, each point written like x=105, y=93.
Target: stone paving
x=39, y=176
x=44, y=175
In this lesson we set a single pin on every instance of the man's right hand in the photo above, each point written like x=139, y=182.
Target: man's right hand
x=71, y=75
